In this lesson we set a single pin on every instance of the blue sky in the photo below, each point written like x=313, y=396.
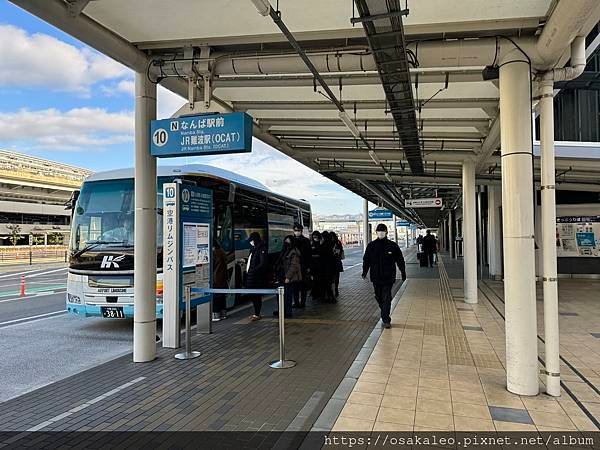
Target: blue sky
x=62, y=100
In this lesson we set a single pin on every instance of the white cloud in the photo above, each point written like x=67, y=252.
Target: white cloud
x=34, y=60
x=167, y=103
x=75, y=129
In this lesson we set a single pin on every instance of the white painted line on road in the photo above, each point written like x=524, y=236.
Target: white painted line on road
x=15, y=274
x=41, y=294
x=45, y=273
x=352, y=267
x=85, y=405
x=32, y=318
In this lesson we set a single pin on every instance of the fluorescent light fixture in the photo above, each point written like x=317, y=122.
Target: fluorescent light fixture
x=388, y=177
x=374, y=157
x=349, y=124
x=262, y=6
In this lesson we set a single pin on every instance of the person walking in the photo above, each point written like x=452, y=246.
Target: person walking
x=338, y=255
x=380, y=259
x=429, y=247
x=257, y=269
x=303, y=244
x=289, y=272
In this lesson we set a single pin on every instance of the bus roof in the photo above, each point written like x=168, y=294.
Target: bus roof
x=189, y=169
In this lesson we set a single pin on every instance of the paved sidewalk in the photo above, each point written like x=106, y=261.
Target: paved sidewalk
x=441, y=366
x=230, y=387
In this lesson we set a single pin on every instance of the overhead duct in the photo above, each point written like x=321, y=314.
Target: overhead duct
x=382, y=22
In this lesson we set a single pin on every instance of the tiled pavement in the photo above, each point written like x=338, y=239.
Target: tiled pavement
x=230, y=387
x=441, y=366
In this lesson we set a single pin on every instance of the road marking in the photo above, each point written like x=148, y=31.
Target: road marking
x=85, y=405
x=352, y=267
x=39, y=294
x=46, y=273
x=32, y=318
x=18, y=274
x=35, y=290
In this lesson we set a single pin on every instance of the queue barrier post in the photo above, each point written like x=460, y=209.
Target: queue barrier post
x=188, y=354
x=280, y=363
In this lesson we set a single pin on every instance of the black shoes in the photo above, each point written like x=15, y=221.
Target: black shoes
x=386, y=325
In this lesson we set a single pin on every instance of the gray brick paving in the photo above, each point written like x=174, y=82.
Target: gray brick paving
x=230, y=387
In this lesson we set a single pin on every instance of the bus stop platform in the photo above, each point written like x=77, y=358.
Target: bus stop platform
x=439, y=368
x=230, y=387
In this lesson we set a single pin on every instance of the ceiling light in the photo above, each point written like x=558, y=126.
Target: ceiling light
x=349, y=124
x=388, y=177
x=262, y=6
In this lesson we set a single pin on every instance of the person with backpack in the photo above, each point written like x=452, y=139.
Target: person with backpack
x=288, y=269
x=380, y=259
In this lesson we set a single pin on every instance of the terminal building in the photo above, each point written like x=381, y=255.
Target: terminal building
x=475, y=119
x=34, y=198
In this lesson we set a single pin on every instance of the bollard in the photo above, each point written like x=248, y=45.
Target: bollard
x=22, y=285
x=282, y=363
x=188, y=354
x=30, y=257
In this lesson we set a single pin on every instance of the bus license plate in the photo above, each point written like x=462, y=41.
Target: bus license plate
x=112, y=312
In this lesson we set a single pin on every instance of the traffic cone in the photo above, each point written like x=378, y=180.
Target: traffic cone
x=22, y=285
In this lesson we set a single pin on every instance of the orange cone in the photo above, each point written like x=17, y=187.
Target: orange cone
x=22, y=285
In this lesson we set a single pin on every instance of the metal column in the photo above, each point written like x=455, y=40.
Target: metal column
x=394, y=218
x=494, y=233
x=549, y=270
x=365, y=225
x=469, y=232
x=452, y=219
x=480, y=252
x=517, y=213
x=144, y=317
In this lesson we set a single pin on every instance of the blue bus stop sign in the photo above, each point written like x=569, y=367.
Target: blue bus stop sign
x=202, y=134
x=380, y=214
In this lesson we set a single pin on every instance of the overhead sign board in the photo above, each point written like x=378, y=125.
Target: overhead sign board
x=424, y=203
x=381, y=214
x=202, y=134
x=402, y=223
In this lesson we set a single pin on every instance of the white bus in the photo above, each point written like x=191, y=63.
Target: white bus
x=100, y=277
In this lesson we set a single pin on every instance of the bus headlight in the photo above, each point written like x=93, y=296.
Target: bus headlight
x=73, y=298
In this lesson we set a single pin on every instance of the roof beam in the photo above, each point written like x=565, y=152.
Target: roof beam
x=375, y=122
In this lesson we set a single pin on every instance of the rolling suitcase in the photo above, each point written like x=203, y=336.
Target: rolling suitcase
x=423, y=260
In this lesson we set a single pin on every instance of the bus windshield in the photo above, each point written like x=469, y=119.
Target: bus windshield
x=104, y=215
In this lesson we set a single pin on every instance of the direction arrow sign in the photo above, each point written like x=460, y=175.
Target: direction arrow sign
x=423, y=203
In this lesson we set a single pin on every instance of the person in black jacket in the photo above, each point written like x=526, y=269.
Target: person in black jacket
x=381, y=258
x=303, y=244
x=429, y=247
x=257, y=271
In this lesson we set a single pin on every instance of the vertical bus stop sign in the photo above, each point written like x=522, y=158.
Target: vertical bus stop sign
x=187, y=249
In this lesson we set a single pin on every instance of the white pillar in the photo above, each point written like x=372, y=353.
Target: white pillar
x=494, y=232
x=144, y=317
x=469, y=232
x=517, y=214
x=394, y=218
x=366, y=236
x=548, y=219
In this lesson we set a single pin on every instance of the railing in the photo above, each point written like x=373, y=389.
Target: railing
x=33, y=255
x=281, y=363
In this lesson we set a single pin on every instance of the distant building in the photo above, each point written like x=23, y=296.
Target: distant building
x=34, y=193
x=348, y=227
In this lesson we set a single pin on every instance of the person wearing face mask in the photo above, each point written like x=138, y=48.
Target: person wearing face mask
x=338, y=255
x=303, y=244
x=327, y=267
x=289, y=272
x=381, y=258
x=257, y=268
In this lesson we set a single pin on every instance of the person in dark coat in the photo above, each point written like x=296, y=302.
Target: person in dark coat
x=327, y=268
x=315, y=265
x=257, y=271
x=303, y=244
x=429, y=247
x=338, y=255
x=380, y=259
x=289, y=272
x=219, y=281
